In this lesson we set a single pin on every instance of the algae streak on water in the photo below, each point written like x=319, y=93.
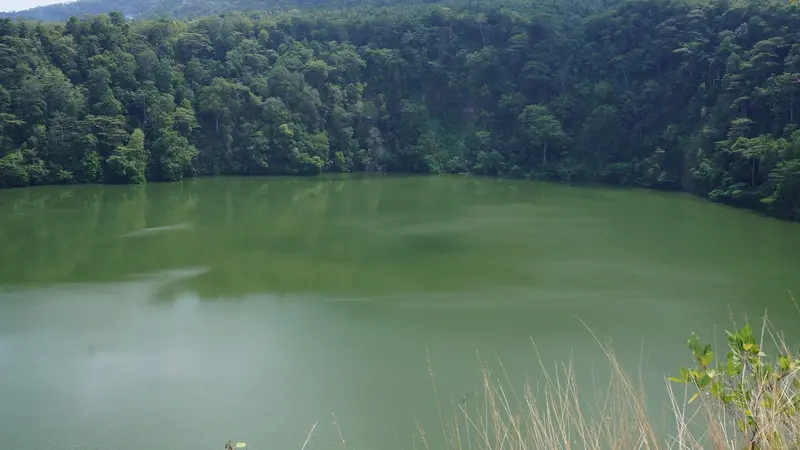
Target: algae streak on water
x=156, y=230
x=179, y=315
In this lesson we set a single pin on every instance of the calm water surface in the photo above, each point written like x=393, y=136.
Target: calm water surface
x=176, y=316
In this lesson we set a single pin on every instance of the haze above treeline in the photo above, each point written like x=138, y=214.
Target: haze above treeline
x=659, y=94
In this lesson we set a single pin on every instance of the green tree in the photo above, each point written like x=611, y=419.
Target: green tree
x=173, y=156
x=540, y=128
x=128, y=162
x=700, y=98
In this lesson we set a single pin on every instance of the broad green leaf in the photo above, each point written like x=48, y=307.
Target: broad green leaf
x=708, y=356
x=703, y=380
x=734, y=364
x=784, y=362
x=716, y=390
x=693, y=397
x=746, y=333
x=694, y=346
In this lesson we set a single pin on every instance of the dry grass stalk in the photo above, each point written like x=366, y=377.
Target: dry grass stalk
x=554, y=413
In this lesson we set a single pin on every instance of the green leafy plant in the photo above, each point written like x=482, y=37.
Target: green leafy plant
x=761, y=395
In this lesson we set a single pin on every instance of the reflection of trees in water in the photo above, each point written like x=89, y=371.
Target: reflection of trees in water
x=280, y=235
x=62, y=233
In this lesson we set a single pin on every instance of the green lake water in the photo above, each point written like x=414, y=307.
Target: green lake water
x=176, y=316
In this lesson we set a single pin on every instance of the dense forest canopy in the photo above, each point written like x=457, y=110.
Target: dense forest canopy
x=150, y=9
x=660, y=94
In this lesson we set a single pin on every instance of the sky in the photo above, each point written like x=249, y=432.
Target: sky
x=17, y=5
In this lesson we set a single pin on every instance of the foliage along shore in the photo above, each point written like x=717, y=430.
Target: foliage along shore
x=660, y=94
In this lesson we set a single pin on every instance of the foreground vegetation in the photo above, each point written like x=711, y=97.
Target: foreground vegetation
x=661, y=94
x=748, y=402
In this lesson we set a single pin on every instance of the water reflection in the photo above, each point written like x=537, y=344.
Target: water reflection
x=367, y=237
x=252, y=235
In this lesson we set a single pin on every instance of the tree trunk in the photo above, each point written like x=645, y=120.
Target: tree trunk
x=544, y=153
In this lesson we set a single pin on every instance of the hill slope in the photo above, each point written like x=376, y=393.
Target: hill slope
x=143, y=9
x=657, y=94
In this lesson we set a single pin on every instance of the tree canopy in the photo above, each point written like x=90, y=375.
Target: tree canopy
x=655, y=93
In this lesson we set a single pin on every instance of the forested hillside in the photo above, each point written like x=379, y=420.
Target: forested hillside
x=660, y=94
x=152, y=9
